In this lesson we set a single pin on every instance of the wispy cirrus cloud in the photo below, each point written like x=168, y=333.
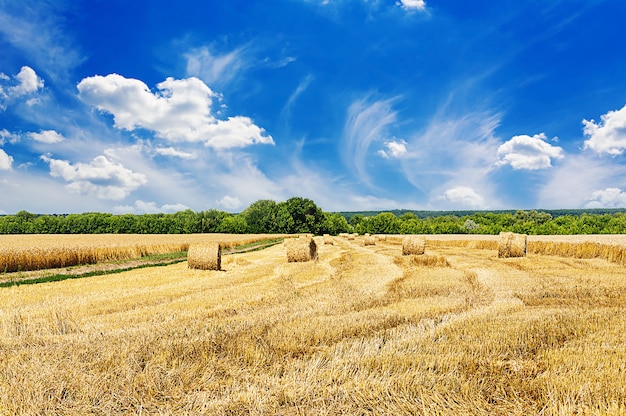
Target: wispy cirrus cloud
x=216, y=69
x=170, y=151
x=37, y=30
x=366, y=121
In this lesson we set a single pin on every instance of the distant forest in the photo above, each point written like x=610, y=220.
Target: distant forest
x=302, y=215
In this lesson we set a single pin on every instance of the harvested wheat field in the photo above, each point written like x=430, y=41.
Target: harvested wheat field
x=363, y=330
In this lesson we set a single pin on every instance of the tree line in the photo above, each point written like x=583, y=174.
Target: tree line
x=302, y=215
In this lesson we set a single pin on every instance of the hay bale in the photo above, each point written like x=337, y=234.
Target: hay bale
x=350, y=237
x=301, y=249
x=512, y=245
x=328, y=239
x=205, y=256
x=382, y=237
x=370, y=240
x=413, y=244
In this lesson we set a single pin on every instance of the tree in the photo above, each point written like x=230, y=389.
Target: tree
x=334, y=224
x=233, y=224
x=307, y=217
x=261, y=217
x=383, y=223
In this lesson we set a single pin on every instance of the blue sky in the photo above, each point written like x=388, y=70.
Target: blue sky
x=155, y=106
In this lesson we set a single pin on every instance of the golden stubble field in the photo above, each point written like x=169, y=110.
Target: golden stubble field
x=362, y=330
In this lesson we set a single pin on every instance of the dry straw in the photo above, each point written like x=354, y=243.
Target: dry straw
x=413, y=244
x=328, y=239
x=370, y=240
x=512, y=245
x=206, y=256
x=301, y=249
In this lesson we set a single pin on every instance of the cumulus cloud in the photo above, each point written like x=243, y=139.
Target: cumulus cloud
x=142, y=207
x=607, y=198
x=170, y=151
x=412, y=4
x=395, y=149
x=609, y=135
x=463, y=196
x=5, y=160
x=24, y=83
x=47, y=136
x=229, y=202
x=100, y=177
x=7, y=136
x=530, y=153
x=180, y=111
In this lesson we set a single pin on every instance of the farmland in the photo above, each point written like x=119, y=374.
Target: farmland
x=362, y=330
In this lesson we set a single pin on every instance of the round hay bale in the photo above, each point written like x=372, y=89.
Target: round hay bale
x=413, y=244
x=382, y=237
x=205, y=256
x=370, y=240
x=350, y=237
x=328, y=239
x=301, y=249
x=512, y=245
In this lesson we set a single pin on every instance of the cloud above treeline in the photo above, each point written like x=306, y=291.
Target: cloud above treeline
x=609, y=135
x=528, y=152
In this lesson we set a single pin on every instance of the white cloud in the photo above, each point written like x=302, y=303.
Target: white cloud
x=5, y=160
x=412, y=4
x=215, y=69
x=453, y=150
x=607, y=198
x=39, y=31
x=526, y=152
x=7, y=136
x=47, y=136
x=170, y=151
x=579, y=176
x=229, y=202
x=365, y=122
x=609, y=135
x=142, y=207
x=463, y=196
x=395, y=149
x=179, y=112
x=101, y=177
x=27, y=82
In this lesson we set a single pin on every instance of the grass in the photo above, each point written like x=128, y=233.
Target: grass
x=363, y=330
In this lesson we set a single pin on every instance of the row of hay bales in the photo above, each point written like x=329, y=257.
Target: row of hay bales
x=509, y=244
x=208, y=256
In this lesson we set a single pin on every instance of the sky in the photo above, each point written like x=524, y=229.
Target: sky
x=157, y=106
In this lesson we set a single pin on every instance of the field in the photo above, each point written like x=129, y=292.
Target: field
x=363, y=330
